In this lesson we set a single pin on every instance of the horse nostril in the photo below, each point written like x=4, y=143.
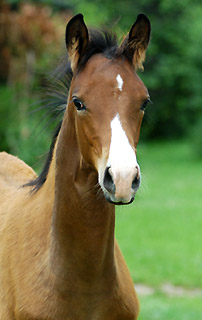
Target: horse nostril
x=136, y=182
x=108, y=181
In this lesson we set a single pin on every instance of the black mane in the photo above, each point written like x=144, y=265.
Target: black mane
x=104, y=42
x=100, y=42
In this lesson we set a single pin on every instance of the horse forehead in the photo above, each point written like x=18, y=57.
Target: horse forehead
x=110, y=72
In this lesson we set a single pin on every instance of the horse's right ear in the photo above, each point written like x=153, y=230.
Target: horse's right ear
x=76, y=40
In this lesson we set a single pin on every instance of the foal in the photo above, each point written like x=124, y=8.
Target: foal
x=58, y=256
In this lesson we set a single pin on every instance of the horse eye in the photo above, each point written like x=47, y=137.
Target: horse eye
x=78, y=104
x=144, y=105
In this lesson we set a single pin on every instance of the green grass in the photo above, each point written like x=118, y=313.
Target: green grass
x=161, y=233
x=159, y=307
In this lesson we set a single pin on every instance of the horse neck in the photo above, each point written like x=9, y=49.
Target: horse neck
x=82, y=222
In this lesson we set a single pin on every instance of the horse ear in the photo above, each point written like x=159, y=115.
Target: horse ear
x=136, y=42
x=76, y=40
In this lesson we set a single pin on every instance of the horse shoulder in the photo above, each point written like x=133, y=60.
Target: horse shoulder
x=14, y=171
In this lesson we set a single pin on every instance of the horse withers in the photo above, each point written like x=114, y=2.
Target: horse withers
x=58, y=256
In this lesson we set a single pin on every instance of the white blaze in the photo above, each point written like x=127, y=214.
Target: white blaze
x=119, y=82
x=122, y=157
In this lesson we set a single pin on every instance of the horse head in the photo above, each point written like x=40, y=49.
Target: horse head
x=108, y=99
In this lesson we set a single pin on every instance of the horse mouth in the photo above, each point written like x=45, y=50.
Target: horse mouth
x=118, y=203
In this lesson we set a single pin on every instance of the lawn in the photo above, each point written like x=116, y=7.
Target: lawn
x=159, y=307
x=160, y=234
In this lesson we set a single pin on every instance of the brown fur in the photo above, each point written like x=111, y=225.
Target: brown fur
x=58, y=256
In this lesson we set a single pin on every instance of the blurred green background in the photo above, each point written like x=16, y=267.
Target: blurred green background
x=160, y=234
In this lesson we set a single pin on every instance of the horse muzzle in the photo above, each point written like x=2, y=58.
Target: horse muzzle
x=120, y=187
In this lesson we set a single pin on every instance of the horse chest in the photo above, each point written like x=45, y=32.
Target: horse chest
x=79, y=307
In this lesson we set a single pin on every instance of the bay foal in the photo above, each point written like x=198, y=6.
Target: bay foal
x=58, y=256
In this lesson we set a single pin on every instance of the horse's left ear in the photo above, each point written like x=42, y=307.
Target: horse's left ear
x=76, y=40
x=136, y=42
